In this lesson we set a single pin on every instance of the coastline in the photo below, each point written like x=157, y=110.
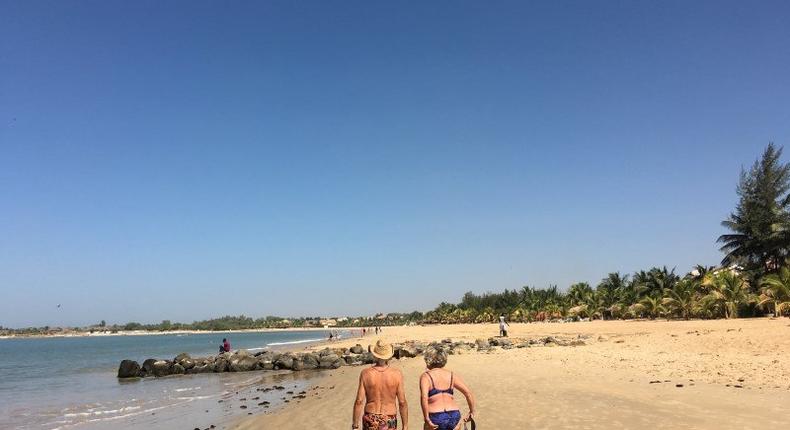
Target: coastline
x=166, y=333
x=709, y=374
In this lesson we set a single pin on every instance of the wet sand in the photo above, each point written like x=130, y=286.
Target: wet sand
x=681, y=375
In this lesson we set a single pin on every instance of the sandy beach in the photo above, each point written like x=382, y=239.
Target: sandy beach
x=720, y=374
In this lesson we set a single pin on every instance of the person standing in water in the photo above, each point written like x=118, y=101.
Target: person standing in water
x=380, y=394
x=503, y=325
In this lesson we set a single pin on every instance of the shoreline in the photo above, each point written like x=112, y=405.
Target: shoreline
x=167, y=333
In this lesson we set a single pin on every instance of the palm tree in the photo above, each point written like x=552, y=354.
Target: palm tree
x=730, y=291
x=577, y=293
x=759, y=233
x=594, y=305
x=681, y=298
x=610, y=290
x=776, y=292
x=651, y=306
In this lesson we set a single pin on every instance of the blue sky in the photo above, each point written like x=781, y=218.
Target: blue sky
x=186, y=160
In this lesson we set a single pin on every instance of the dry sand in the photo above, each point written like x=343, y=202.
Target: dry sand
x=713, y=375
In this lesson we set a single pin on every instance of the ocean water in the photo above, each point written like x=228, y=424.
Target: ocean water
x=70, y=383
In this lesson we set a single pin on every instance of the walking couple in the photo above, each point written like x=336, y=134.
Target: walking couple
x=381, y=396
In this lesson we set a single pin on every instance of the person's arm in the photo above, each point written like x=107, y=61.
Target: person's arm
x=425, y=385
x=403, y=407
x=359, y=404
x=459, y=383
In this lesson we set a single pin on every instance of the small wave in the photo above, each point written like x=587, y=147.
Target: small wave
x=181, y=390
x=257, y=349
x=190, y=399
x=111, y=411
x=295, y=342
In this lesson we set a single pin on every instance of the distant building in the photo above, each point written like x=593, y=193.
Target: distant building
x=329, y=322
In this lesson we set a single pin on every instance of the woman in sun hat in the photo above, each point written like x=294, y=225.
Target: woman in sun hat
x=380, y=387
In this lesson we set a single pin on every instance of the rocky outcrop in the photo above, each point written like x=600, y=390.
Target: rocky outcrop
x=328, y=358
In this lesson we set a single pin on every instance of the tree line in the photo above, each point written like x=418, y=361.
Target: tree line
x=752, y=280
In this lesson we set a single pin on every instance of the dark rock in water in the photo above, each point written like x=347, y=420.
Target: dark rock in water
x=178, y=369
x=181, y=357
x=128, y=369
x=184, y=360
x=201, y=368
x=162, y=368
x=148, y=366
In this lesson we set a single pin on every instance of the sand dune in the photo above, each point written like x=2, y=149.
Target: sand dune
x=713, y=375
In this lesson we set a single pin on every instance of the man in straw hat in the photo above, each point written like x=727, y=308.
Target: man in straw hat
x=379, y=387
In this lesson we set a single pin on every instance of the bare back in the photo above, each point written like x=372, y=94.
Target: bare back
x=383, y=387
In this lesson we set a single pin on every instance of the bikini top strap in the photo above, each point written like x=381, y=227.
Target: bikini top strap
x=433, y=384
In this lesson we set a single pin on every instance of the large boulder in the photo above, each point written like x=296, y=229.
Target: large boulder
x=330, y=361
x=310, y=361
x=177, y=369
x=201, y=368
x=357, y=349
x=184, y=360
x=181, y=357
x=284, y=362
x=405, y=351
x=243, y=353
x=265, y=362
x=243, y=363
x=220, y=365
x=129, y=369
x=162, y=368
x=148, y=366
x=367, y=358
x=298, y=364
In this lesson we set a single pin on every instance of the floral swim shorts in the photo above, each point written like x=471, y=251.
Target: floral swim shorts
x=379, y=422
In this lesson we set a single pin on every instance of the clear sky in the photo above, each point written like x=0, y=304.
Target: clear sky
x=186, y=160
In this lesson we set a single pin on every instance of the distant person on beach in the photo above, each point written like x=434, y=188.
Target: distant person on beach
x=503, y=325
x=225, y=345
x=331, y=336
x=380, y=394
x=438, y=404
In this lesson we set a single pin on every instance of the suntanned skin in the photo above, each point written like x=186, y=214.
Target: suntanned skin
x=381, y=392
x=443, y=401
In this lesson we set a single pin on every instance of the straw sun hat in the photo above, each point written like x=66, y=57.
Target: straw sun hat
x=382, y=350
